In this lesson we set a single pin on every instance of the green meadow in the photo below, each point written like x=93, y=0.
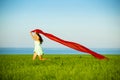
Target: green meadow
x=59, y=67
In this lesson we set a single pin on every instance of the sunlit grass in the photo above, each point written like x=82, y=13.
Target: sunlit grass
x=59, y=67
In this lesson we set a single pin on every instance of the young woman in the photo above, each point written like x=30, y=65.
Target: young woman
x=37, y=43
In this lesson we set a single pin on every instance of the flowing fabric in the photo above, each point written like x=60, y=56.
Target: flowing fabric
x=70, y=44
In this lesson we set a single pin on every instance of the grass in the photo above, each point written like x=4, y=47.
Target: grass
x=59, y=67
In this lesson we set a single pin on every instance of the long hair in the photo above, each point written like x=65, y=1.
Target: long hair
x=40, y=38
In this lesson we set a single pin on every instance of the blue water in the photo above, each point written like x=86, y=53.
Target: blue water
x=57, y=51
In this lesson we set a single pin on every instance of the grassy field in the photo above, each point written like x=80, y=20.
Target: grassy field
x=59, y=67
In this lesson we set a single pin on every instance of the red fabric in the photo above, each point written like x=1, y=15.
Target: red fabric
x=72, y=45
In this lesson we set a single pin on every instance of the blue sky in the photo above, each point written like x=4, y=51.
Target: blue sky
x=93, y=23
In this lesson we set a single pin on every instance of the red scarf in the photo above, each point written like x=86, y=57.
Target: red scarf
x=70, y=44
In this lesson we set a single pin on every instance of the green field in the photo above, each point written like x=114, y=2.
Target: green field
x=59, y=67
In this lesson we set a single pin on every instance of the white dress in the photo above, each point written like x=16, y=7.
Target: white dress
x=38, y=48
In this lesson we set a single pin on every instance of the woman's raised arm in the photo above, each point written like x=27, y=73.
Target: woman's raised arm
x=31, y=35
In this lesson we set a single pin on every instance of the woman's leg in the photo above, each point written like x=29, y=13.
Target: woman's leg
x=41, y=58
x=34, y=56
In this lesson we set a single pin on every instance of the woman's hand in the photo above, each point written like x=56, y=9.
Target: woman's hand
x=30, y=32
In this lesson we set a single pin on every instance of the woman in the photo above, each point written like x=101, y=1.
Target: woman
x=37, y=49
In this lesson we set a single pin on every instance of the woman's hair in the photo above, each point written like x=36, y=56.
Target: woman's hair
x=40, y=38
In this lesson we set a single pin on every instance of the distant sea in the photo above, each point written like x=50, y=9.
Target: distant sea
x=57, y=51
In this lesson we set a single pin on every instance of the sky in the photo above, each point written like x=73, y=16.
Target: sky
x=92, y=23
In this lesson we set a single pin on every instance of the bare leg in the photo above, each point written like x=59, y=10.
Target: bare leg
x=41, y=58
x=34, y=56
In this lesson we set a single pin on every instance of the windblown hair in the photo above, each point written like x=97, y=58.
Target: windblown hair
x=40, y=38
